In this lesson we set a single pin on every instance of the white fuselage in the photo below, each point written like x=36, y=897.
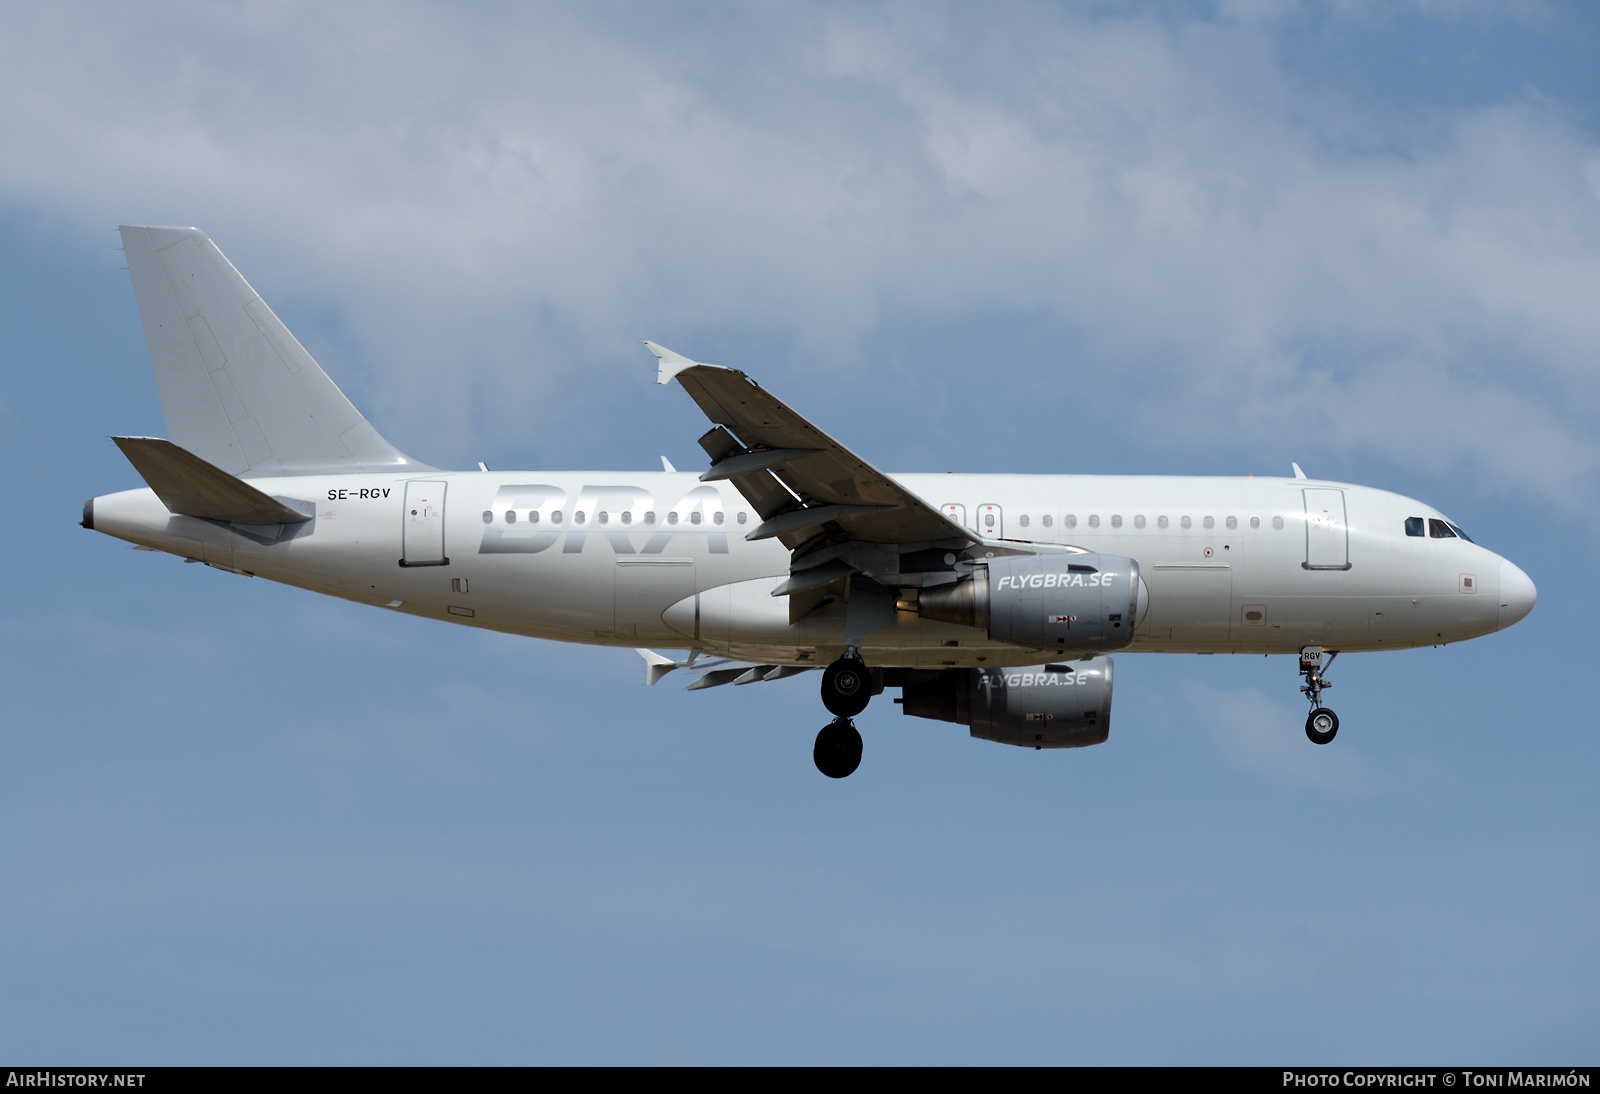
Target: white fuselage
x=640, y=559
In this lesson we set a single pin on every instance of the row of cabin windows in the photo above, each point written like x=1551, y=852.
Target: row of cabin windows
x=1434, y=528
x=1071, y=521
x=603, y=517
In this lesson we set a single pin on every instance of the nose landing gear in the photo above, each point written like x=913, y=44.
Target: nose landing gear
x=1321, y=724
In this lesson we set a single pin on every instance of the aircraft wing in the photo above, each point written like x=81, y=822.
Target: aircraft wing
x=799, y=480
x=713, y=672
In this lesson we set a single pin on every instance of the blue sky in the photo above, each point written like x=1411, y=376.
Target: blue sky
x=240, y=823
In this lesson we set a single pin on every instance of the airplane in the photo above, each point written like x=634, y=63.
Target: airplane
x=991, y=601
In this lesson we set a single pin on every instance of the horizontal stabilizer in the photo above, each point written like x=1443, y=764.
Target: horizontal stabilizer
x=191, y=487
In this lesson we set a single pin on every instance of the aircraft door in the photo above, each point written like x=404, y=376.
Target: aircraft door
x=991, y=522
x=957, y=513
x=422, y=528
x=1327, y=534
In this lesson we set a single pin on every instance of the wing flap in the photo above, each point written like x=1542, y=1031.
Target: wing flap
x=716, y=671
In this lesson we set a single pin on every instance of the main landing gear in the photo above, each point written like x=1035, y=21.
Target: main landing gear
x=846, y=691
x=847, y=685
x=838, y=749
x=1321, y=724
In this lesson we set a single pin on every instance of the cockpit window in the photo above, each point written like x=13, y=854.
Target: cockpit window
x=1456, y=528
x=1439, y=529
x=1414, y=526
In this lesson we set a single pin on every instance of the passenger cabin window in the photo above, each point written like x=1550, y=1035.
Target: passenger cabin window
x=1255, y=522
x=650, y=516
x=533, y=516
x=1414, y=526
x=1116, y=520
x=742, y=518
x=488, y=516
x=1161, y=522
x=695, y=517
x=511, y=516
x=717, y=517
x=555, y=517
x=1070, y=520
x=1185, y=522
x=1046, y=520
x=1439, y=529
x=1210, y=523
x=605, y=517
x=627, y=517
x=1233, y=522
x=1023, y=520
x=1138, y=521
x=1277, y=522
x=672, y=518
x=1094, y=520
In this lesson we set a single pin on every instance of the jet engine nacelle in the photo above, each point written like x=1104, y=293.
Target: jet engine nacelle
x=1065, y=705
x=1086, y=602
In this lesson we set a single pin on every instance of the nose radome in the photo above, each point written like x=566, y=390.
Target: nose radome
x=1517, y=594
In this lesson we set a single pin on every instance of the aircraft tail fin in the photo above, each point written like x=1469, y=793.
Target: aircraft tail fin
x=191, y=487
x=237, y=389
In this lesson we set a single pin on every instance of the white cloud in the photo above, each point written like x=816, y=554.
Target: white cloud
x=1264, y=737
x=495, y=194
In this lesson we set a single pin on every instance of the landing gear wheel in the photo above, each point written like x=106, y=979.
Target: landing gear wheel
x=838, y=749
x=846, y=688
x=1321, y=725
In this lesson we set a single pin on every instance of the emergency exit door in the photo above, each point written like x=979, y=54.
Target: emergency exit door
x=1327, y=534
x=422, y=527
